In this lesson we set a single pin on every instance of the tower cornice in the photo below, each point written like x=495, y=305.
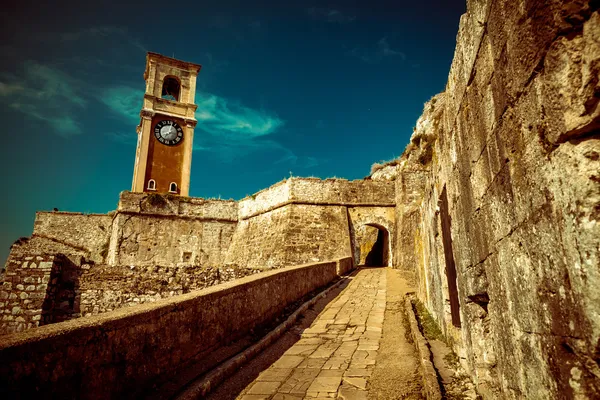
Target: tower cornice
x=172, y=108
x=173, y=62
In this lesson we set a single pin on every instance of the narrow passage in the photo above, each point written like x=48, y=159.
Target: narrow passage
x=333, y=354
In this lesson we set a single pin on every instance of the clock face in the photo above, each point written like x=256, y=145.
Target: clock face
x=168, y=132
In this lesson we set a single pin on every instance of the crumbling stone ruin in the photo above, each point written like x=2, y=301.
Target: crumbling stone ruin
x=492, y=212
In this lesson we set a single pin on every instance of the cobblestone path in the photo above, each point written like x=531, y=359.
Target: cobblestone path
x=335, y=356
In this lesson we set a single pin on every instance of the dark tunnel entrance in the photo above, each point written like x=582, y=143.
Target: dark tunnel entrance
x=372, y=246
x=377, y=257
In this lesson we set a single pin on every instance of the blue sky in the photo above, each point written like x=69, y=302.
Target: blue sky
x=287, y=87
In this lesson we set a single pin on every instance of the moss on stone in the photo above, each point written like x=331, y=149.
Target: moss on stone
x=428, y=326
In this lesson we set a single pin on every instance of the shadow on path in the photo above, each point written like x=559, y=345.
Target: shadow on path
x=234, y=385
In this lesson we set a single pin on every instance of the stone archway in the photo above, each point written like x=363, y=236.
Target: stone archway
x=372, y=246
x=371, y=234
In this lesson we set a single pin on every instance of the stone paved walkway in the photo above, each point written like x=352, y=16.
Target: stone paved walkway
x=335, y=356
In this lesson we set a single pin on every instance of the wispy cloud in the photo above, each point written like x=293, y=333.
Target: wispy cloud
x=298, y=161
x=7, y=89
x=386, y=50
x=330, y=15
x=46, y=94
x=66, y=125
x=124, y=101
x=231, y=129
x=232, y=120
x=47, y=83
x=377, y=53
x=63, y=125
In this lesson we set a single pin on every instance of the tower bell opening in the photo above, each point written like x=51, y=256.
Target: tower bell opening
x=170, y=89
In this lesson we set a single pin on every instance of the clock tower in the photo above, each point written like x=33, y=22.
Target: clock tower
x=163, y=157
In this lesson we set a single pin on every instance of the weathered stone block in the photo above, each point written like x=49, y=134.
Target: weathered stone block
x=46, y=265
x=571, y=85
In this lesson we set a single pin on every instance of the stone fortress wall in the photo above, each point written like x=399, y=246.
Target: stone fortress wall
x=156, y=246
x=153, y=230
x=501, y=177
x=83, y=234
x=303, y=220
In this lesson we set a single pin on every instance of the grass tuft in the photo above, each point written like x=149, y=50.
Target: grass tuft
x=428, y=326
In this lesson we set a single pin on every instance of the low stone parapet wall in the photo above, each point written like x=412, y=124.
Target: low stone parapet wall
x=315, y=191
x=120, y=354
x=360, y=192
x=105, y=288
x=180, y=206
x=267, y=199
x=344, y=266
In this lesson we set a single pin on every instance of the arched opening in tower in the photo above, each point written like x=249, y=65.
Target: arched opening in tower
x=372, y=246
x=170, y=89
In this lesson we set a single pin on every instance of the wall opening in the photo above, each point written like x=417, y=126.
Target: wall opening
x=170, y=89
x=449, y=258
x=151, y=184
x=372, y=246
x=62, y=301
x=173, y=187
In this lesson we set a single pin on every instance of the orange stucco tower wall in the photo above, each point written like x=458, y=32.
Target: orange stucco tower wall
x=163, y=156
